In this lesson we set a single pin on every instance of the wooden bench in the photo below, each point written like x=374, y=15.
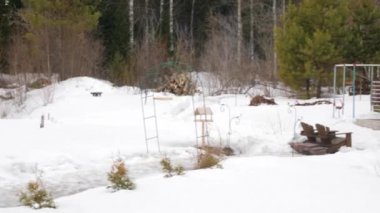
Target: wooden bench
x=330, y=140
x=96, y=94
x=320, y=142
x=309, y=132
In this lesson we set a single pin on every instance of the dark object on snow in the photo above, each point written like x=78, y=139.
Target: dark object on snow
x=178, y=84
x=42, y=124
x=314, y=103
x=96, y=94
x=323, y=141
x=228, y=151
x=258, y=100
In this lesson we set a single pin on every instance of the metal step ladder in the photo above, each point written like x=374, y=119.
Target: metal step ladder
x=149, y=117
x=375, y=96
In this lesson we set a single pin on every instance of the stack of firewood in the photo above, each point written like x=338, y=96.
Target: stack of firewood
x=178, y=84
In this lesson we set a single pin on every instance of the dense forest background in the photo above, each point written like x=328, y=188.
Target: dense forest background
x=240, y=41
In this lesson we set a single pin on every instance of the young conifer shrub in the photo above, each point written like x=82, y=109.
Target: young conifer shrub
x=36, y=196
x=118, y=176
x=168, y=169
x=166, y=166
x=179, y=170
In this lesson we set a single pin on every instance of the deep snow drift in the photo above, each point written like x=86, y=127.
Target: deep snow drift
x=83, y=134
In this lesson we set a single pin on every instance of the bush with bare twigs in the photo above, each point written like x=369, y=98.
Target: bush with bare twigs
x=207, y=160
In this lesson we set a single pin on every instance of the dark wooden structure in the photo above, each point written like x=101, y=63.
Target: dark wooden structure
x=322, y=141
x=96, y=94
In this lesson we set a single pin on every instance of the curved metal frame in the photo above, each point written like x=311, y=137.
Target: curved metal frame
x=354, y=66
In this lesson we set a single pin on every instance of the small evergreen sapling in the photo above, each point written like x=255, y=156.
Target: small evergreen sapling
x=118, y=176
x=36, y=196
x=179, y=170
x=168, y=168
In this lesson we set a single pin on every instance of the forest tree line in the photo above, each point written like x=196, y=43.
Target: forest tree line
x=125, y=40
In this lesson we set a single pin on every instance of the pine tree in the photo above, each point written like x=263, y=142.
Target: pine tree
x=36, y=196
x=8, y=10
x=168, y=169
x=118, y=176
x=308, y=46
x=59, y=36
x=362, y=32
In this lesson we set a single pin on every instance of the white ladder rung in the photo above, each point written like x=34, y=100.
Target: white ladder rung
x=145, y=96
x=149, y=117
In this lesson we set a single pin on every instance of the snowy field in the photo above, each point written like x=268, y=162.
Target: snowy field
x=84, y=134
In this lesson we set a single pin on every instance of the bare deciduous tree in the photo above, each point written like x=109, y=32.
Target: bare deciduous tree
x=239, y=30
x=171, y=26
x=131, y=24
x=274, y=36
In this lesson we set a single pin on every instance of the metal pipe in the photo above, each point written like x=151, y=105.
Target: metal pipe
x=155, y=120
x=344, y=89
x=353, y=90
x=143, y=113
x=334, y=89
x=370, y=92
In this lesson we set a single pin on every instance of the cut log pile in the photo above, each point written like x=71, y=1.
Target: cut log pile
x=258, y=100
x=178, y=84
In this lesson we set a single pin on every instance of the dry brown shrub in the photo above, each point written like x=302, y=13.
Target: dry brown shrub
x=207, y=160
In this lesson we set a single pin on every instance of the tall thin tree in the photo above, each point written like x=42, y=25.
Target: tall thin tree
x=161, y=16
x=192, y=27
x=239, y=29
x=146, y=21
x=251, y=33
x=171, y=27
x=131, y=24
x=274, y=73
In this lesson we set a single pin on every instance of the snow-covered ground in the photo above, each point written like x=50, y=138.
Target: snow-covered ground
x=84, y=134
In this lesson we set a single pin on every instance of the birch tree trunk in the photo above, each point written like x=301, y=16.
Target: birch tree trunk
x=161, y=16
x=251, y=33
x=146, y=21
x=47, y=49
x=171, y=27
x=192, y=28
x=131, y=24
x=239, y=31
x=274, y=37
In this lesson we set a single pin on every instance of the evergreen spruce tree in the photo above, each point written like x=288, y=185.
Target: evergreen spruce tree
x=8, y=10
x=308, y=46
x=59, y=36
x=362, y=32
x=118, y=177
x=36, y=196
x=169, y=170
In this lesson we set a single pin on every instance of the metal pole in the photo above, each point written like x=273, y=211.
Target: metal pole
x=353, y=90
x=344, y=89
x=155, y=120
x=334, y=89
x=195, y=123
x=143, y=112
x=370, y=92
